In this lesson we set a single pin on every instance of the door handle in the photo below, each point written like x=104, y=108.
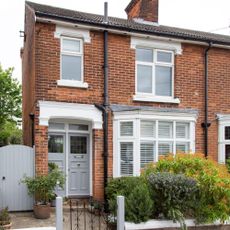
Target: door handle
x=3, y=178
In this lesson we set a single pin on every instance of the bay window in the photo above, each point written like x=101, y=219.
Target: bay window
x=140, y=141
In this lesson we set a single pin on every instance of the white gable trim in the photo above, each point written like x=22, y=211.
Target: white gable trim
x=51, y=110
x=158, y=44
x=72, y=32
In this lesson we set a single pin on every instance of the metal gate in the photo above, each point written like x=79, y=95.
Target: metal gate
x=16, y=161
x=88, y=214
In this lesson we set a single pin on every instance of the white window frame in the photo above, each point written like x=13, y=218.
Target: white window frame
x=72, y=83
x=224, y=121
x=137, y=117
x=153, y=65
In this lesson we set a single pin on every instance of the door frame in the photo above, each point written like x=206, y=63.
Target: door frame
x=66, y=133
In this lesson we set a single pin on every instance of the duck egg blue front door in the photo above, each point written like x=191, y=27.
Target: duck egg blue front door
x=78, y=164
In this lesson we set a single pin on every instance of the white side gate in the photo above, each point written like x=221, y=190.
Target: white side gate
x=15, y=162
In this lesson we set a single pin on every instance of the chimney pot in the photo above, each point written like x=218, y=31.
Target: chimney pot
x=143, y=9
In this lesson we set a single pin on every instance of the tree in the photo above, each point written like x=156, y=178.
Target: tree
x=10, y=97
x=10, y=108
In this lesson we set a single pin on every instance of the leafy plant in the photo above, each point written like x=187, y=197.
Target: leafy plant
x=137, y=198
x=213, y=181
x=174, y=195
x=43, y=186
x=4, y=216
x=139, y=204
x=228, y=164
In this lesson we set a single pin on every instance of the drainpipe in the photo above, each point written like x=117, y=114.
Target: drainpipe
x=32, y=128
x=206, y=124
x=105, y=107
x=106, y=103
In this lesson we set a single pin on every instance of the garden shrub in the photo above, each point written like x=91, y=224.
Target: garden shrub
x=213, y=181
x=138, y=203
x=228, y=164
x=175, y=195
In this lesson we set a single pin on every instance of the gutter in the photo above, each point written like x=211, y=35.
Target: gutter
x=31, y=115
x=206, y=124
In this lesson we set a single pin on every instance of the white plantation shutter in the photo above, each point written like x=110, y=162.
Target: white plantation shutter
x=147, y=153
x=182, y=130
x=164, y=148
x=182, y=147
x=165, y=129
x=126, y=156
x=126, y=129
x=147, y=129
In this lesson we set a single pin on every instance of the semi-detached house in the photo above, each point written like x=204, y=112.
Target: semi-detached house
x=104, y=96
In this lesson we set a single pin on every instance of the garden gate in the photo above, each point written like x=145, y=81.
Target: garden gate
x=15, y=162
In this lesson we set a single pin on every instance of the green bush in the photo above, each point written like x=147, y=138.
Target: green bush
x=213, y=181
x=228, y=164
x=175, y=195
x=138, y=203
x=4, y=216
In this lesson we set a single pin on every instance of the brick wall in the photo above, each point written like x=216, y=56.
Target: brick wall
x=189, y=87
x=28, y=76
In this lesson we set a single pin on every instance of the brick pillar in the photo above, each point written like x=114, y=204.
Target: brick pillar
x=98, y=165
x=41, y=149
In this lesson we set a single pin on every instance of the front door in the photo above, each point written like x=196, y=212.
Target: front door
x=78, y=175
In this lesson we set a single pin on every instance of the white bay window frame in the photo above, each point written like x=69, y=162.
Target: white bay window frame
x=224, y=121
x=136, y=139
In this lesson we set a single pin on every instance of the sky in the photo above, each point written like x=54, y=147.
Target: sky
x=205, y=15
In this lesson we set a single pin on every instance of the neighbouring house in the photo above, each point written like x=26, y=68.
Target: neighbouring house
x=104, y=96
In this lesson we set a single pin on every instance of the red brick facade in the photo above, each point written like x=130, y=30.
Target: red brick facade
x=41, y=70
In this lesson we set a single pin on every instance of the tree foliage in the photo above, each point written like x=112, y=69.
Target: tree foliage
x=10, y=97
x=10, y=108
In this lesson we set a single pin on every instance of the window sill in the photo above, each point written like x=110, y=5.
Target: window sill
x=156, y=99
x=70, y=83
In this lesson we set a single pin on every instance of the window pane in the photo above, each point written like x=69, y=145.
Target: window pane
x=164, y=57
x=227, y=152
x=56, y=126
x=163, y=81
x=126, y=128
x=182, y=147
x=227, y=133
x=164, y=148
x=71, y=67
x=55, y=144
x=78, y=145
x=182, y=130
x=147, y=129
x=78, y=127
x=126, y=151
x=165, y=130
x=70, y=45
x=147, y=153
x=145, y=55
x=144, y=79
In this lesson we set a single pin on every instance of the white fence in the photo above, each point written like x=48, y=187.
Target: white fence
x=15, y=162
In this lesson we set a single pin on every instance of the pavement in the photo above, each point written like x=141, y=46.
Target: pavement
x=21, y=220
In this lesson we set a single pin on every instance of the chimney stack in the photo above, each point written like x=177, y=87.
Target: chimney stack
x=143, y=9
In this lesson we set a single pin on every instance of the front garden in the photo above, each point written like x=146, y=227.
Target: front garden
x=175, y=188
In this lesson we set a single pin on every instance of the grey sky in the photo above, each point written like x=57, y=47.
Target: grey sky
x=206, y=15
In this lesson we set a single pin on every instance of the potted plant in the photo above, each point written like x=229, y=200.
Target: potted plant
x=5, y=220
x=42, y=188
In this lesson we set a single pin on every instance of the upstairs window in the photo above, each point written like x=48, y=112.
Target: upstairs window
x=71, y=59
x=154, y=72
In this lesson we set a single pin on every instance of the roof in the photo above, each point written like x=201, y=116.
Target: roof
x=123, y=108
x=125, y=25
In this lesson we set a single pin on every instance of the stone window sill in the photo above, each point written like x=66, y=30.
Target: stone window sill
x=71, y=83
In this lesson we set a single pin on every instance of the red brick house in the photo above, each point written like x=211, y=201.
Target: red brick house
x=103, y=96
